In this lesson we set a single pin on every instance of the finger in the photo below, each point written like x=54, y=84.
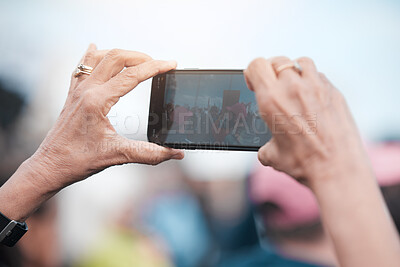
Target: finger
x=328, y=86
x=92, y=47
x=286, y=73
x=114, y=62
x=266, y=153
x=259, y=74
x=247, y=80
x=91, y=58
x=308, y=68
x=132, y=151
x=325, y=80
x=261, y=78
x=128, y=79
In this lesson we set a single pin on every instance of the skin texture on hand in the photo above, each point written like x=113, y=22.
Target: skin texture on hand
x=83, y=141
x=309, y=119
x=315, y=141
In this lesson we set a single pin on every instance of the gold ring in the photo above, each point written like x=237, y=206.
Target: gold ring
x=293, y=64
x=82, y=69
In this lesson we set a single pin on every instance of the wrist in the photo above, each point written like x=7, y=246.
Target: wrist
x=25, y=191
x=40, y=173
x=340, y=170
x=354, y=213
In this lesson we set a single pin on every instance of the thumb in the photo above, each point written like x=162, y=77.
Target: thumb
x=134, y=151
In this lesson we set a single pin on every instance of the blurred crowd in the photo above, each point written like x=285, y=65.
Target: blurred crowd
x=180, y=220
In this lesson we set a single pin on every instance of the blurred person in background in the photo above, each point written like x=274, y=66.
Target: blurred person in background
x=172, y=211
x=125, y=243
x=40, y=247
x=202, y=219
x=327, y=158
x=164, y=226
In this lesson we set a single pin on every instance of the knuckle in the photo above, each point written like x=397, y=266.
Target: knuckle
x=89, y=100
x=323, y=77
x=295, y=86
x=279, y=60
x=316, y=84
x=133, y=73
x=155, y=160
x=256, y=63
x=298, y=91
x=259, y=60
x=122, y=83
x=89, y=56
x=125, y=156
x=114, y=54
x=338, y=96
x=158, y=67
x=131, y=77
x=76, y=94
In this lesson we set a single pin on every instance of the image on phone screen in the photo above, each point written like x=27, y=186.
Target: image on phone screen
x=205, y=109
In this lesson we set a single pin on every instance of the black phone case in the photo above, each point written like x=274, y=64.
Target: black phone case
x=156, y=110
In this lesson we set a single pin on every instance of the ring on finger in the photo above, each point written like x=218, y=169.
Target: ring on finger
x=82, y=69
x=292, y=64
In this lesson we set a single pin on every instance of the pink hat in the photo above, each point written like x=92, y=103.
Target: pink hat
x=297, y=203
x=385, y=160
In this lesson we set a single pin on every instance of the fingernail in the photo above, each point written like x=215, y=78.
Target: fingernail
x=178, y=155
x=92, y=46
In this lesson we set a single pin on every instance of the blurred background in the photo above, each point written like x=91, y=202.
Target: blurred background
x=207, y=210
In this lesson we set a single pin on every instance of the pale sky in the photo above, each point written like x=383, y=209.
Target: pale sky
x=355, y=43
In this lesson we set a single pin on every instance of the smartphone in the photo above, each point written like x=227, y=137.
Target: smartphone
x=205, y=109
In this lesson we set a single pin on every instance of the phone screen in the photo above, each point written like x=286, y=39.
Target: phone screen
x=209, y=109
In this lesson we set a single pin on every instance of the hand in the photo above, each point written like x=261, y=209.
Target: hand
x=316, y=141
x=313, y=130
x=83, y=142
